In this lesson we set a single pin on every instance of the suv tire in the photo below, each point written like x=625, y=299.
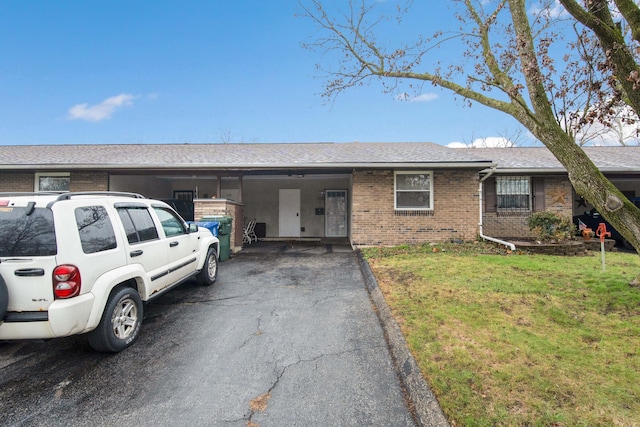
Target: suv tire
x=209, y=272
x=120, y=323
x=4, y=298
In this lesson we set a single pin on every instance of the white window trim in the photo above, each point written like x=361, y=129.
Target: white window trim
x=395, y=190
x=36, y=184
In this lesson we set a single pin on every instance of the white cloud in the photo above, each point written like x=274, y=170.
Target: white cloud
x=101, y=111
x=620, y=133
x=424, y=97
x=554, y=9
x=491, y=141
x=623, y=129
x=457, y=145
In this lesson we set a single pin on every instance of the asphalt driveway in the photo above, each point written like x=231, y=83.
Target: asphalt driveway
x=303, y=337
x=287, y=336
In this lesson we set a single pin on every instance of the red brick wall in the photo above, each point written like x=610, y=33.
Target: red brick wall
x=375, y=222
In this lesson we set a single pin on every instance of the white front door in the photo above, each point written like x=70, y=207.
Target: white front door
x=289, y=220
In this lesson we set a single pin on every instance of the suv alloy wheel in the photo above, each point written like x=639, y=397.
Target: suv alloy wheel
x=120, y=323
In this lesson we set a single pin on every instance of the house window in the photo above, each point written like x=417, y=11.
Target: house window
x=52, y=181
x=513, y=193
x=414, y=191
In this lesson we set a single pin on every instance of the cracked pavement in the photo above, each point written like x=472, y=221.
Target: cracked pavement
x=286, y=336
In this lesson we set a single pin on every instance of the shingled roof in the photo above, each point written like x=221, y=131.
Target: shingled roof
x=539, y=159
x=303, y=155
x=237, y=156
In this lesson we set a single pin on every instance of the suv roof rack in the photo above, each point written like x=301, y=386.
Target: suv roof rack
x=69, y=195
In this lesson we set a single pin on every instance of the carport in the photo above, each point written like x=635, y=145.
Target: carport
x=286, y=204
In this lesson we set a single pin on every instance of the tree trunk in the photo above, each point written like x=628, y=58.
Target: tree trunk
x=589, y=182
x=586, y=178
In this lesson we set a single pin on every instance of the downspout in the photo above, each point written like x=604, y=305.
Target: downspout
x=491, y=239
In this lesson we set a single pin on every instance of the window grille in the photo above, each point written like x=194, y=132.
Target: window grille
x=513, y=193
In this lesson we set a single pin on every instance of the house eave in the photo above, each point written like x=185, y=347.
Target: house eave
x=248, y=167
x=527, y=171
x=553, y=171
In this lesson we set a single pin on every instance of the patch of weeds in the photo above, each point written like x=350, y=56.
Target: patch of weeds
x=464, y=248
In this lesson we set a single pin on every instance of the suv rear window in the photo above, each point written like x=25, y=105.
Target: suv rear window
x=95, y=229
x=27, y=231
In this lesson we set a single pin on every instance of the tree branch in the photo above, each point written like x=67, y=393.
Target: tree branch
x=631, y=13
x=598, y=19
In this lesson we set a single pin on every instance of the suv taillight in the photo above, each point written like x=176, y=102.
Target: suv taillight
x=66, y=281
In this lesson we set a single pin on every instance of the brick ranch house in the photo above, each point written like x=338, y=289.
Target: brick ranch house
x=363, y=193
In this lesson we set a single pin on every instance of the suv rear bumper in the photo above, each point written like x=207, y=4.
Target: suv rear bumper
x=64, y=318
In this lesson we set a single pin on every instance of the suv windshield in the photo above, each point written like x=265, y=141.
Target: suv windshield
x=25, y=231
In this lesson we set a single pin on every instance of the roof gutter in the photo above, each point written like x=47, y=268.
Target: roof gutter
x=491, y=239
x=558, y=171
x=524, y=171
x=245, y=166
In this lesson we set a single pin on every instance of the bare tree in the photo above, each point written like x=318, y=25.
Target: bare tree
x=614, y=31
x=225, y=136
x=506, y=62
x=619, y=40
x=621, y=127
x=513, y=137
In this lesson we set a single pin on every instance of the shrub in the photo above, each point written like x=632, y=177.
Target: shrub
x=551, y=227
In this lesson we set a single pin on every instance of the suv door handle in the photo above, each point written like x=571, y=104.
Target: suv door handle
x=29, y=272
x=135, y=253
x=172, y=244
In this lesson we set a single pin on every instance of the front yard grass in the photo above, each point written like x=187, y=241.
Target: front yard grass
x=517, y=339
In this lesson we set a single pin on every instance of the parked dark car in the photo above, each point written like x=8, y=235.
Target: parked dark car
x=592, y=219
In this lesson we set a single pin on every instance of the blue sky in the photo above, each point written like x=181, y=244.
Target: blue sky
x=122, y=72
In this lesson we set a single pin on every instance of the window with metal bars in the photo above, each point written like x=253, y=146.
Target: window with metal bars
x=513, y=193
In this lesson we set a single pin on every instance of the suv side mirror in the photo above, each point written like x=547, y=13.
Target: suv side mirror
x=193, y=227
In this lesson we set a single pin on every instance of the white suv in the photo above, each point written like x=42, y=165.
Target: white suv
x=72, y=263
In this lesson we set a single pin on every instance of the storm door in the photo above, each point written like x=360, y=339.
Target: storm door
x=335, y=213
